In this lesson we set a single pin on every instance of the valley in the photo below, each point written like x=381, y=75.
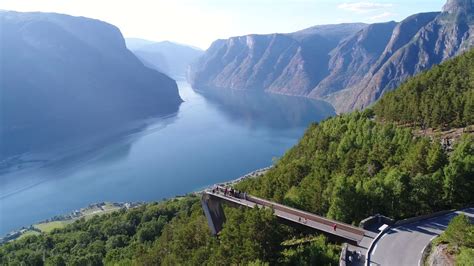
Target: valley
x=353, y=139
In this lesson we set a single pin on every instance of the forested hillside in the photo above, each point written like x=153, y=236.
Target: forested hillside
x=441, y=97
x=169, y=233
x=351, y=167
x=347, y=167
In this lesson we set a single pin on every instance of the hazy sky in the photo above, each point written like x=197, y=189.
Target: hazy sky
x=199, y=22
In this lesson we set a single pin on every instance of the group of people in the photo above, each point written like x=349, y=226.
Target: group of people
x=356, y=255
x=231, y=192
x=304, y=220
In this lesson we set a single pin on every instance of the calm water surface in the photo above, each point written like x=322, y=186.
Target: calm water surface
x=213, y=138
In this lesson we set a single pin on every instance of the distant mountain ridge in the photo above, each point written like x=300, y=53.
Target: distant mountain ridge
x=136, y=43
x=281, y=63
x=349, y=65
x=168, y=57
x=65, y=76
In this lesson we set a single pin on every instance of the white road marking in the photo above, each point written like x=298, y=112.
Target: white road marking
x=375, y=247
x=382, y=237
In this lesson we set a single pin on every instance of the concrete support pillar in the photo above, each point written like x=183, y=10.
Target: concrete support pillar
x=214, y=212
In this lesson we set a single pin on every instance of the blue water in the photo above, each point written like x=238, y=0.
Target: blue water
x=213, y=138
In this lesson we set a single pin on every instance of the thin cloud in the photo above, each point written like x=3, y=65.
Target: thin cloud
x=364, y=7
x=382, y=16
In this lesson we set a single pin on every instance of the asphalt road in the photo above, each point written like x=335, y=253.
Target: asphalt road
x=403, y=246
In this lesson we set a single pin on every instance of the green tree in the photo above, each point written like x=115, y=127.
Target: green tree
x=460, y=232
x=148, y=231
x=318, y=252
x=465, y=257
x=249, y=235
x=341, y=205
x=459, y=173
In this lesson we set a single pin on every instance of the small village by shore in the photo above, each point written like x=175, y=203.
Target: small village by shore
x=61, y=221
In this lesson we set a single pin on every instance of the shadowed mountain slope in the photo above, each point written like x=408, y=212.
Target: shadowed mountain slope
x=64, y=77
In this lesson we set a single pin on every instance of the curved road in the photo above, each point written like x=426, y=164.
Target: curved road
x=404, y=245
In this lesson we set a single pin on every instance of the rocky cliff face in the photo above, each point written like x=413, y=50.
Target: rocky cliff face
x=456, y=6
x=64, y=76
x=282, y=63
x=351, y=70
x=417, y=43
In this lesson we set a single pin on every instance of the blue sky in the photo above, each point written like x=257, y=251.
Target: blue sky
x=199, y=22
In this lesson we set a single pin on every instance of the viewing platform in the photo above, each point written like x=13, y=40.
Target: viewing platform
x=211, y=204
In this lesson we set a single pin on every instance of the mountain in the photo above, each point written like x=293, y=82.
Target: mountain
x=455, y=6
x=417, y=43
x=168, y=57
x=282, y=63
x=351, y=68
x=64, y=77
x=136, y=43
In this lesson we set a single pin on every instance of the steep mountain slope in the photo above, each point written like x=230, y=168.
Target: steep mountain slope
x=449, y=34
x=282, y=63
x=65, y=77
x=353, y=57
x=170, y=58
x=352, y=70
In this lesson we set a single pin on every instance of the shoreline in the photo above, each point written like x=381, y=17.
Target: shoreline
x=106, y=207
x=254, y=174
x=60, y=221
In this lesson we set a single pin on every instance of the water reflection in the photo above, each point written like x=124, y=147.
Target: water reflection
x=52, y=146
x=106, y=149
x=259, y=109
